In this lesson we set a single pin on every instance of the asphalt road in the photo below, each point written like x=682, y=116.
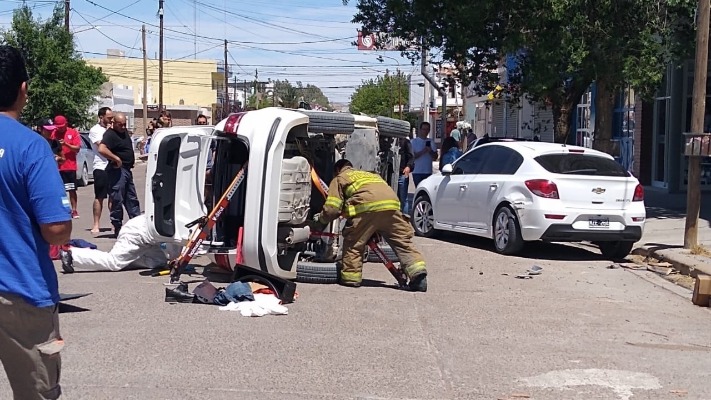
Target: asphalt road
x=577, y=331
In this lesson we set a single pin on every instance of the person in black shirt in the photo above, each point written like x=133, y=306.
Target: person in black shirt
x=46, y=128
x=407, y=164
x=117, y=147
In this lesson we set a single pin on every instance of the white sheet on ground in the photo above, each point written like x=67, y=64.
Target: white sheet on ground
x=262, y=305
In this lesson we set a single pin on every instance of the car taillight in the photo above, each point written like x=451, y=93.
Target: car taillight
x=232, y=123
x=638, y=193
x=543, y=188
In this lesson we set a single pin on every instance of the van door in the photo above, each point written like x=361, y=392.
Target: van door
x=175, y=180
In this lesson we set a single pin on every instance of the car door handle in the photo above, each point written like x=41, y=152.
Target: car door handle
x=494, y=186
x=463, y=187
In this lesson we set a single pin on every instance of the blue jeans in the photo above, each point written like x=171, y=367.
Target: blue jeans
x=417, y=178
x=403, y=186
x=122, y=194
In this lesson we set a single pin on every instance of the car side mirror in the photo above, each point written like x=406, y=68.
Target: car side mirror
x=447, y=169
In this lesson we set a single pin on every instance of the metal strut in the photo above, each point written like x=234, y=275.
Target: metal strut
x=205, y=225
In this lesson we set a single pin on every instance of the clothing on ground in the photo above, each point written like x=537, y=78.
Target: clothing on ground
x=96, y=134
x=134, y=247
x=234, y=293
x=423, y=164
x=396, y=231
x=263, y=304
x=32, y=194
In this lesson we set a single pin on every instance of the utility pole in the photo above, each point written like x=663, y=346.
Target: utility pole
x=256, y=89
x=226, y=104
x=246, y=101
x=234, y=93
x=390, y=92
x=195, y=29
x=145, y=80
x=693, y=191
x=440, y=90
x=66, y=14
x=399, y=91
x=160, y=59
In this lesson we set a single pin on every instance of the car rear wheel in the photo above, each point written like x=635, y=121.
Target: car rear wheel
x=423, y=217
x=84, y=179
x=330, y=123
x=393, y=127
x=615, y=250
x=507, y=234
x=372, y=257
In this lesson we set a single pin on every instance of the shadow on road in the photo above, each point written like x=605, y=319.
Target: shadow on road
x=68, y=308
x=533, y=250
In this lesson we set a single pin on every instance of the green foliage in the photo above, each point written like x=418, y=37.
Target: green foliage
x=60, y=81
x=380, y=96
x=561, y=46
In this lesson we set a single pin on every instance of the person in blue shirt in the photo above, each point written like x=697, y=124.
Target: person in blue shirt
x=450, y=152
x=35, y=213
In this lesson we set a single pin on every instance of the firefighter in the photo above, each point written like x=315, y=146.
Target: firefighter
x=371, y=207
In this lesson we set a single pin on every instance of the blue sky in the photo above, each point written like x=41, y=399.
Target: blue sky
x=298, y=40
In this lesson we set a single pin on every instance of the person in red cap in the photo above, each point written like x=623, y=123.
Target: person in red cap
x=71, y=144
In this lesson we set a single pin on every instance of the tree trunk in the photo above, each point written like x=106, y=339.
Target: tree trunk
x=604, y=109
x=564, y=108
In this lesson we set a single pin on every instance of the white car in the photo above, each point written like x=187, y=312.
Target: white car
x=517, y=192
x=277, y=198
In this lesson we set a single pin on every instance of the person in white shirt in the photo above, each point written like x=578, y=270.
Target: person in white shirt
x=425, y=151
x=101, y=179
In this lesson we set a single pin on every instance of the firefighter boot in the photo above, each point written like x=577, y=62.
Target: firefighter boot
x=418, y=283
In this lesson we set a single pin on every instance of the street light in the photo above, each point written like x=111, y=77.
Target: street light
x=399, y=82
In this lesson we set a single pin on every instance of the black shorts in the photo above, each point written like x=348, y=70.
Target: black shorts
x=70, y=180
x=101, y=184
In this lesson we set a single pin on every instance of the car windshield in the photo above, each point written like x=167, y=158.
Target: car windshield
x=580, y=164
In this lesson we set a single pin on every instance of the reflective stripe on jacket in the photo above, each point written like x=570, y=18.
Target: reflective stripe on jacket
x=353, y=192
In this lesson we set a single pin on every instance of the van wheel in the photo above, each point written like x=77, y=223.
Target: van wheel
x=507, y=234
x=315, y=272
x=329, y=122
x=84, y=180
x=393, y=127
x=615, y=250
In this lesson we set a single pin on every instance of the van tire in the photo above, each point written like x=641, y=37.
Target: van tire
x=315, y=272
x=393, y=127
x=330, y=123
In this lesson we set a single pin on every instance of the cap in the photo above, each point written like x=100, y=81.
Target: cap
x=60, y=121
x=47, y=124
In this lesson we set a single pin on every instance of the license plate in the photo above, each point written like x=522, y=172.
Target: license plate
x=599, y=222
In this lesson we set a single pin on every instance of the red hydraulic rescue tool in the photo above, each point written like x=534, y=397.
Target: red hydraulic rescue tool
x=205, y=225
x=372, y=243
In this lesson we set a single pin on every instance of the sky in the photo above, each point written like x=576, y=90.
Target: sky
x=299, y=40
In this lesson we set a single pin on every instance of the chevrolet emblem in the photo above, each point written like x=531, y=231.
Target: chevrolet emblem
x=598, y=190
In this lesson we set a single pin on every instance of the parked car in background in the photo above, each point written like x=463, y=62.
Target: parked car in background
x=515, y=192
x=85, y=162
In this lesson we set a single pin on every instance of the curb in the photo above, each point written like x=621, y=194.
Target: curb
x=679, y=258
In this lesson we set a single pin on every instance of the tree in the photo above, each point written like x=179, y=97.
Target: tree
x=60, y=81
x=559, y=46
x=381, y=95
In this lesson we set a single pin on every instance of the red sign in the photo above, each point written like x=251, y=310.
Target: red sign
x=366, y=42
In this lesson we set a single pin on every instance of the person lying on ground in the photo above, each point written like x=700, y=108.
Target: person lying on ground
x=135, y=247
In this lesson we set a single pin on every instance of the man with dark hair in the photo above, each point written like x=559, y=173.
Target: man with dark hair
x=201, y=120
x=71, y=144
x=371, y=207
x=101, y=178
x=36, y=213
x=117, y=147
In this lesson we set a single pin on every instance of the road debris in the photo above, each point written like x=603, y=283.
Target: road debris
x=535, y=270
x=524, y=277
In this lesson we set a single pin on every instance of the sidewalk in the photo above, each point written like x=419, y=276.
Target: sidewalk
x=664, y=231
